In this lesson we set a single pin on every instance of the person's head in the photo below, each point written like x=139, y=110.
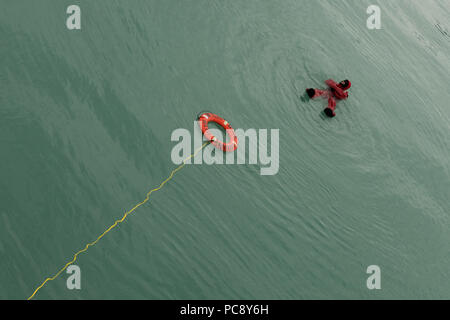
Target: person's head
x=345, y=84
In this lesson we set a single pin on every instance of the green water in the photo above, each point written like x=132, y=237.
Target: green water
x=85, y=123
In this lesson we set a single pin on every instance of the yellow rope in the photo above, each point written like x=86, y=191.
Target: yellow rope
x=120, y=220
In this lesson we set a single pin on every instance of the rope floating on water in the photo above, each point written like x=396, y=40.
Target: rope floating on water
x=75, y=256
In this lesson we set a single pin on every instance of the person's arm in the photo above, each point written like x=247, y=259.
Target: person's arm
x=330, y=83
x=338, y=92
x=333, y=85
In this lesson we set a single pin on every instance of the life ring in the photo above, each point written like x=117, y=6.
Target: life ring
x=206, y=118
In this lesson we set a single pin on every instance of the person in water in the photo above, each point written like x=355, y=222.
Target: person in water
x=335, y=91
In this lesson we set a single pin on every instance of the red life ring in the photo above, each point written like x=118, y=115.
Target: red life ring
x=207, y=117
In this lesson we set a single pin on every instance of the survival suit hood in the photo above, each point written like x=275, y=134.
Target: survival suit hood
x=345, y=84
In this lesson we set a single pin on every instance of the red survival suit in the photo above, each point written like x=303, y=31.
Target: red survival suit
x=335, y=91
